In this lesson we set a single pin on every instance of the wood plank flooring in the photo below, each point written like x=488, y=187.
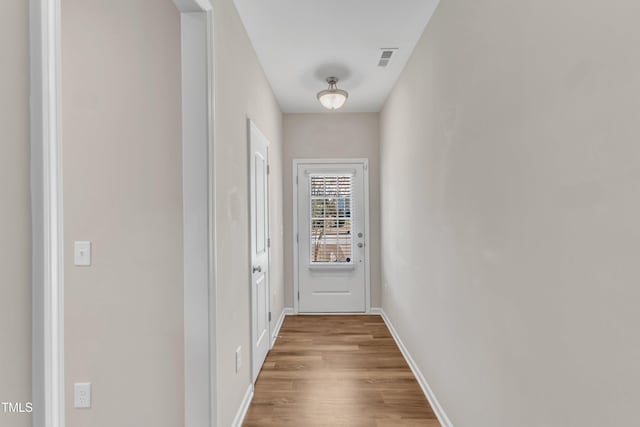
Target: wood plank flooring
x=337, y=371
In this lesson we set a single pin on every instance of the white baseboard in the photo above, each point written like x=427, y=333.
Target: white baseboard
x=435, y=405
x=246, y=401
x=244, y=407
x=274, y=336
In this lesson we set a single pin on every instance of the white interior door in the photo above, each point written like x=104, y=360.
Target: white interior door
x=259, y=208
x=331, y=228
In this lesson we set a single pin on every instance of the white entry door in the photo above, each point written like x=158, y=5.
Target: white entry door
x=259, y=208
x=331, y=237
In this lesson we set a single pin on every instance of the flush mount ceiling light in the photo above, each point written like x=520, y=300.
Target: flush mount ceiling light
x=332, y=98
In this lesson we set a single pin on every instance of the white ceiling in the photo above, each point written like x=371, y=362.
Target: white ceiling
x=302, y=42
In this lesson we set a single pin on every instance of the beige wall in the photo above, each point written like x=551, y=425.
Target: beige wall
x=123, y=191
x=122, y=154
x=241, y=91
x=337, y=136
x=15, y=211
x=510, y=177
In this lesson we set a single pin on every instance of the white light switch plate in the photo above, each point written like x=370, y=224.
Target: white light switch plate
x=238, y=359
x=82, y=395
x=82, y=254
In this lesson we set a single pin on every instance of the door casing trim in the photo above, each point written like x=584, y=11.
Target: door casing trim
x=199, y=222
x=46, y=215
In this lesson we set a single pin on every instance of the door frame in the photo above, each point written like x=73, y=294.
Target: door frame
x=199, y=222
x=48, y=387
x=367, y=227
x=47, y=235
x=252, y=125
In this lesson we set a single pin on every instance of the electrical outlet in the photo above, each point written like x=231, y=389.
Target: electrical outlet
x=238, y=359
x=82, y=395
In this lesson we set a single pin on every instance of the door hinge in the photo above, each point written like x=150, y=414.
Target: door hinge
x=296, y=179
x=268, y=169
x=297, y=238
x=269, y=316
x=298, y=295
x=269, y=242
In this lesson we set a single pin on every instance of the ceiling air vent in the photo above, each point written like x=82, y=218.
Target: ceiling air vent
x=385, y=56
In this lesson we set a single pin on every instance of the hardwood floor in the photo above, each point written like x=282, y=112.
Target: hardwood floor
x=337, y=371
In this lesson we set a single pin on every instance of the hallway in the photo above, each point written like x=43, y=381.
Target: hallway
x=183, y=182
x=337, y=371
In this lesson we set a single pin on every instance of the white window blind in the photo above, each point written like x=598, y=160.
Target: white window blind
x=331, y=215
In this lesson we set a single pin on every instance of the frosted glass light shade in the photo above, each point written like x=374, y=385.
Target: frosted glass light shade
x=332, y=98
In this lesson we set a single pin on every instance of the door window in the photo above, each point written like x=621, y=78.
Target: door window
x=331, y=219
